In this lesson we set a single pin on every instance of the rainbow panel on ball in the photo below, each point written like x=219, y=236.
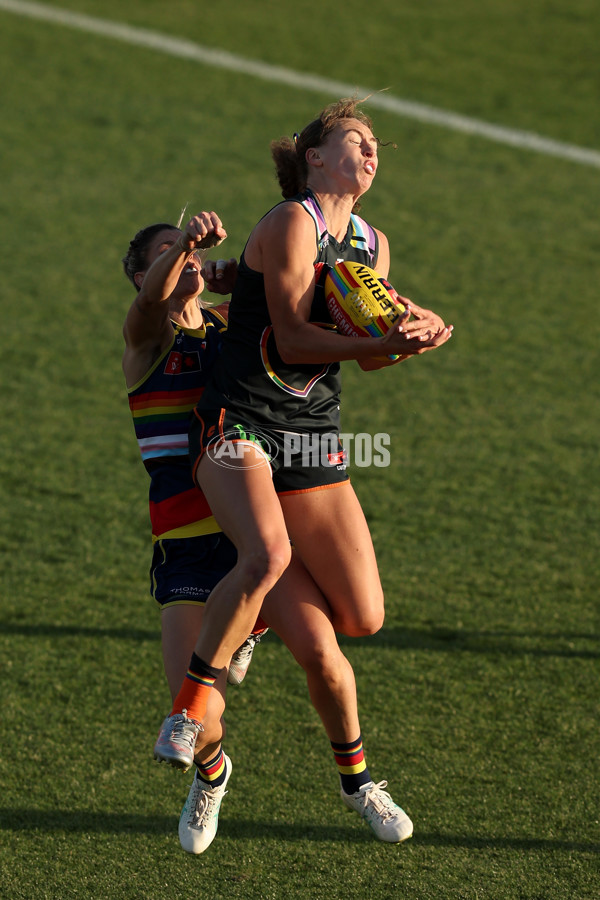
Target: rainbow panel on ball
x=360, y=303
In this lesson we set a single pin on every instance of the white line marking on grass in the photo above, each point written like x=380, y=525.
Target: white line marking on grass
x=221, y=59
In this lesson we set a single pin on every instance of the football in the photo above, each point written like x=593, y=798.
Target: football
x=360, y=303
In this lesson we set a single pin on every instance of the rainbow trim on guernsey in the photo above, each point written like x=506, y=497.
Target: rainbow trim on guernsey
x=161, y=421
x=161, y=405
x=288, y=388
x=362, y=234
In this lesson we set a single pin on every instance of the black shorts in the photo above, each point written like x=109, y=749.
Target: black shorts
x=298, y=461
x=185, y=570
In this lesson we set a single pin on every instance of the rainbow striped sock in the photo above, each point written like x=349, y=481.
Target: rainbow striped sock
x=195, y=690
x=352, y=765
x=213, y=771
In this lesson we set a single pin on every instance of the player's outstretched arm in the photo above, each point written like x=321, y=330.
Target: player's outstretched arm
x=149, y=313
x=147, y=329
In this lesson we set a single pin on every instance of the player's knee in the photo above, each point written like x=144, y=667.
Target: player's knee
x=261, y=568
x=361, y=623
x=324, y=662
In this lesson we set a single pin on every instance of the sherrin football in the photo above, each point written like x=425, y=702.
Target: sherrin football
x=361, y=303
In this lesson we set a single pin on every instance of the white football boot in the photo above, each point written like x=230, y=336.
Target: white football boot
x=200, y=815
x=388, y=821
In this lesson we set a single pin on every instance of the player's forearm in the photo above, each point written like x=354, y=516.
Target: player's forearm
x=309, y=343
x=161, y=278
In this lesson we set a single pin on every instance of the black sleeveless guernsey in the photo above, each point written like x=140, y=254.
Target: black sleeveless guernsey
x=250, y=378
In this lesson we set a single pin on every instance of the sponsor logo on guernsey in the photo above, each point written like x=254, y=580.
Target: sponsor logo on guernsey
x=179, y=363
x=337, y=459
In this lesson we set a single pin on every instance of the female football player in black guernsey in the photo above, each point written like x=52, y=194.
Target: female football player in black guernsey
x=274, y=396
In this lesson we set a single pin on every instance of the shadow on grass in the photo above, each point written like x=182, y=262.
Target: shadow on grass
x=84, y=822
x=510, y=643
x=46, y=629
x=441, y=640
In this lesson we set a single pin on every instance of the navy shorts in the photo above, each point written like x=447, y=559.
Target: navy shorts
x=298, y=461
x=185, y=570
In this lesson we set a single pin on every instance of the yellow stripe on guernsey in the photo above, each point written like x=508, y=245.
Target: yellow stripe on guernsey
x=195, y=529
x=161, y=405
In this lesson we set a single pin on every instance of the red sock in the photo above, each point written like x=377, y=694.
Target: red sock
x=259, y=626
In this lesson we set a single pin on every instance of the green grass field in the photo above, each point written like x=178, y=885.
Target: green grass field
x=479, y=698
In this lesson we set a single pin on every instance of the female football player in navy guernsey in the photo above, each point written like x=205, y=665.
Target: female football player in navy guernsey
x=276, y=385
x=171, y=343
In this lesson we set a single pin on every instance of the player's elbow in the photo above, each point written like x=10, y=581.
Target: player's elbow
x=291, y=357
x=290, y=349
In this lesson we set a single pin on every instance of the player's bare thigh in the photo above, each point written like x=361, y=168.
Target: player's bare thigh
x=243, y=500
x=247, y=508
x=330, y=534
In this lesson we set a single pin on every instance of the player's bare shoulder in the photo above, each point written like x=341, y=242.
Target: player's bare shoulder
x=283, y=232
x=286, y=217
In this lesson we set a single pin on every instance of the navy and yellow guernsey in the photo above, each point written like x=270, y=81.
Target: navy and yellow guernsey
x=161, y=405
x=250, y=378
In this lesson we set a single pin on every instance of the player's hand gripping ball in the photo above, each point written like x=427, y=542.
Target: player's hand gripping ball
x=361, y=303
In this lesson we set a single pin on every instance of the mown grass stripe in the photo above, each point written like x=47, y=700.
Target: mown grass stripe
x=221, y=59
